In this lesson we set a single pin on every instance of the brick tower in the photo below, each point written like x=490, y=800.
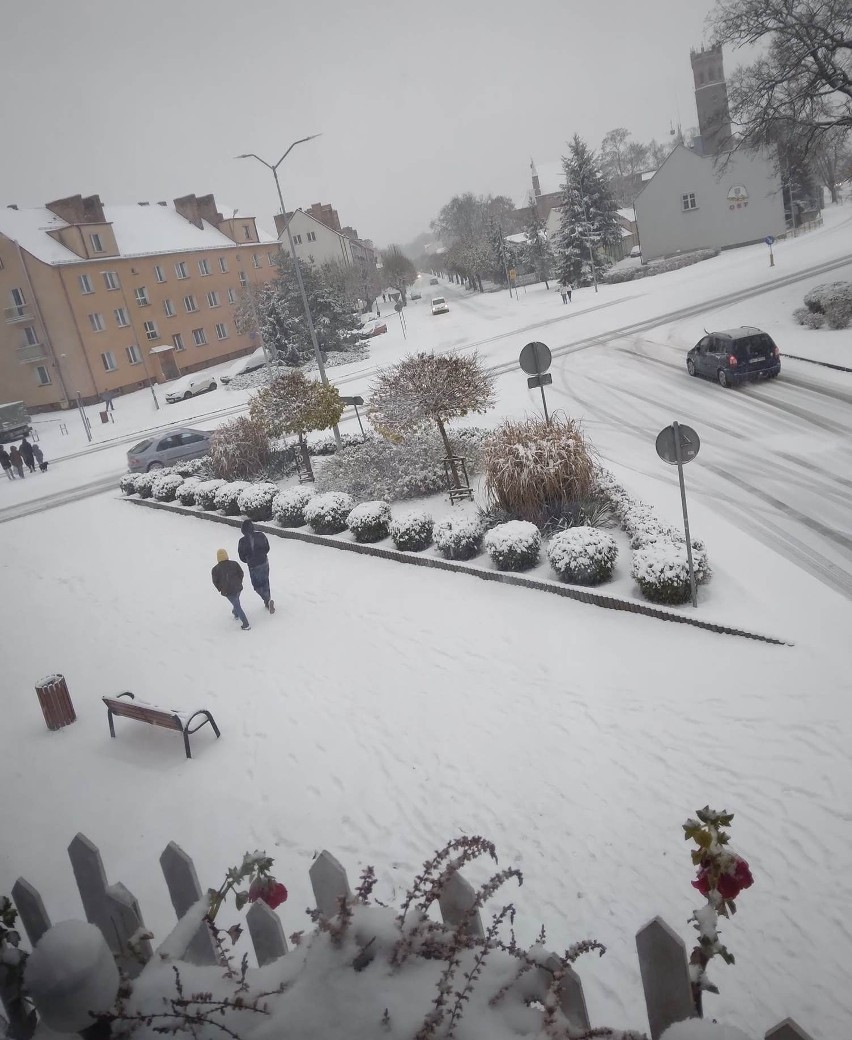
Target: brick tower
x=711, y=99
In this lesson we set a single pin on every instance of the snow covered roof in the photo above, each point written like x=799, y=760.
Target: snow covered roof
x=518, y=239
x=629, y=213
x=139, y=230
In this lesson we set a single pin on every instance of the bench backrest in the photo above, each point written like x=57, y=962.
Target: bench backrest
x=144, y=713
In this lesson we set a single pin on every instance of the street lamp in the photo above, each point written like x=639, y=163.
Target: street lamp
x=299, y=280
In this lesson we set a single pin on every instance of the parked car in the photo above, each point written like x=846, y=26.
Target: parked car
x=414, y=296
x=439, y=305
x=245, y=364
x=735, y=356
x=14, y=421
x=165, y=449
x=372, y=327
x=433, y=281
x=636, y=253
x=189, y=386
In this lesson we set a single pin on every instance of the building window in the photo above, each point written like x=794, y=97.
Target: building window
x=108, y=359
x=271, y=258
x=111, y=280
x=42, y=376
x=688, y=202
x=232, y=296
x=177, y=339
x=223, y=265
x=31, y=336
x=200, y=337
x=221, y=331
x=247, y=232
x=213, y=299
x=121, y=317
x=189, y=304
x=142, y=296
x=151, y=330
x=312, y=236
x=169, y=308
x=297, y=239
x=86, y=285
x=158, y=273
x=255, y=260
x=203, y=267
x=97, y=322
x=181, y=271
x=97, y=247
x=243, y=279
x=1, y=263
x=134, y=355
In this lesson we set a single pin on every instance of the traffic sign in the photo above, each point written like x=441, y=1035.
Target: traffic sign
x=545, y=379
x=667, y=448
x=770, y=240
x=352, y=400
x=535, y=358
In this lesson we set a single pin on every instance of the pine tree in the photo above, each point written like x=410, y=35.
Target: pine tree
x=588, y=221
x=538, y=255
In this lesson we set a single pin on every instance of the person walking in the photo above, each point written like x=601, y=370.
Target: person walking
x=6, y=462
x=16, y=460
x=563, y=292
x=253, y=550
x=38, y=455
x=569, y=288
x=26, y=450
x=228, y=578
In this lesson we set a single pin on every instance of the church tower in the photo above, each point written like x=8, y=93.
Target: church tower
x=711, y=100
x=535, y=181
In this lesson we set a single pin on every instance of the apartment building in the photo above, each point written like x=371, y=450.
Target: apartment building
x=100, y=298
x=319, y=242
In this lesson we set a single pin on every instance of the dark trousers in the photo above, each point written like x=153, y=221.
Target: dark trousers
x=260, y=581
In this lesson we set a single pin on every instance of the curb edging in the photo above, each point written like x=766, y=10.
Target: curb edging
x=504, y=577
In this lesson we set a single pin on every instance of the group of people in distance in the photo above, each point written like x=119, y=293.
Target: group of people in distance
x=253, y=550
x=14, y=460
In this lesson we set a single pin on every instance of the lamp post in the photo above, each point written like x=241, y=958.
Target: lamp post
x=299, y=280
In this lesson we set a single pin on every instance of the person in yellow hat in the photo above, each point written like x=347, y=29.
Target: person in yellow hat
x=228, y=578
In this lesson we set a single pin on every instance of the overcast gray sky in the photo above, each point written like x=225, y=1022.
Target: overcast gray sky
x=416, y=103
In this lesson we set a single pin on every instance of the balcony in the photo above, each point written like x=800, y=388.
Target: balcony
x=19, y=313
x=31, y=352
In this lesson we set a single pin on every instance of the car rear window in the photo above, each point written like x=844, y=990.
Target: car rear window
x=137, y=449
x=754, y=346
x=439, y=299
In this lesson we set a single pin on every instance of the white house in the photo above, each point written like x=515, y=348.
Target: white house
x=315, y=242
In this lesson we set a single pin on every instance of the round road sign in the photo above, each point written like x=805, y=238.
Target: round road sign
x=689, y=444
x=770, y=240
x=535, y=358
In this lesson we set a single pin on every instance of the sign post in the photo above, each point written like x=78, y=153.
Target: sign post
x=355, y=401
x=676, y=445
x=770, y=241
x=535, y=361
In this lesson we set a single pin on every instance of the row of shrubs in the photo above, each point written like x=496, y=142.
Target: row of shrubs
x=660, y=563
x=828, y=305
x=672, y=263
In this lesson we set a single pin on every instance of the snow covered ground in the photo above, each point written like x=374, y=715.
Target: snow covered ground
x=384, y=709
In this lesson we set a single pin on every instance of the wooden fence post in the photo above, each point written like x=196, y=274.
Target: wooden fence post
x=267, y=933
x=787, y=1030
x=329, y=882
x=457, y=898
x=185, y=891
x=572, y=1000
x=665, y=976
x=31, y=909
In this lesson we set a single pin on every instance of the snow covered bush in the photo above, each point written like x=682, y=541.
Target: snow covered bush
x=165, y=487
x=145, y=483
x=288, y=507
x=514, y=546
x=200, y=468
x=412, y=532
x=240, y=449
x=227, y=497
x=256, y=501
x=369, y=521
x=328, y=446
x=395, y=470
x=127, y=484
x=459, y=538
x=661, y=570
x=829, y=304
x=672, y=263
x=185, y=494
x=327, y=513
x=583, y=555
x=205, y=493
x=814, y=320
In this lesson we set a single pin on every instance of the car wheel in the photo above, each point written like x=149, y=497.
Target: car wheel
x=690, y=366
x=213, y=385
x=723, y=379
x=154, y=465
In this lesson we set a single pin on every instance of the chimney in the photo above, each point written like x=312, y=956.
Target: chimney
x=93, y=210
x=162, y=203
x=187, y=207
x=70, y=209
x=208, y=211
x=12, y=205
x=281, y=222
x=143, y=203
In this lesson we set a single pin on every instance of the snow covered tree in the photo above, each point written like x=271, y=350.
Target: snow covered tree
x=538, y=254
x=425, y=388
x=463, y=227
x=398, y=271
x=275, y=309
x=589, y=219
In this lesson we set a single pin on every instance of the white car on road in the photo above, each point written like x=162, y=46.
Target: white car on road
x=188, y=386
x=439, y=305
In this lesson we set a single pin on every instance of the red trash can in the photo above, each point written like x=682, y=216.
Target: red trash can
x=55, y=701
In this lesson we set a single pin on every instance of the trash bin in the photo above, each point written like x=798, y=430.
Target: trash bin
x=104, y=416
x=55, y=701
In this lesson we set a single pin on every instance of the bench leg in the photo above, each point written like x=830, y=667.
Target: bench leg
x=186, y=744
x=111, y=723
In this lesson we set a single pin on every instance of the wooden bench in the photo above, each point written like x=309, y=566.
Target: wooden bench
x=168, y=718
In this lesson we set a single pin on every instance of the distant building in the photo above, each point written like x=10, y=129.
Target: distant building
x=102, y=298
x=319, y=243
x=707, y=195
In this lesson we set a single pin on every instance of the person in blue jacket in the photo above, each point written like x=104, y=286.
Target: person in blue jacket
x=253, y=550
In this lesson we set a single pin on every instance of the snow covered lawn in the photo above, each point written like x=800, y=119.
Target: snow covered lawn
x=377, y=717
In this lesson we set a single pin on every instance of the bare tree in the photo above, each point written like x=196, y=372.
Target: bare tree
x=398, y=271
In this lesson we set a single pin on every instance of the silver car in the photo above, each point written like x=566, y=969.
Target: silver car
x=165, y=449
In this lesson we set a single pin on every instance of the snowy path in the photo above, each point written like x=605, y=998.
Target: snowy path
x=384, y=709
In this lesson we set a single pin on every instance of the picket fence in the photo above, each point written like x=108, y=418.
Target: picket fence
x=116, y=913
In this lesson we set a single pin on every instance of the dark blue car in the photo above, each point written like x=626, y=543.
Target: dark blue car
x=735, y=356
